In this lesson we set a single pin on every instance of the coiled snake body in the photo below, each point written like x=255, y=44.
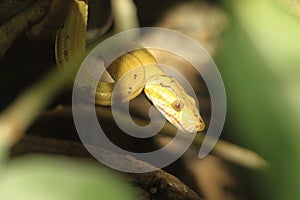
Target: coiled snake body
x=164, y=92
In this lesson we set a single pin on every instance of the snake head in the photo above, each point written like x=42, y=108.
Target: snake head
x=174, y=103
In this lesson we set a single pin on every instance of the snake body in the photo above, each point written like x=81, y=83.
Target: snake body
x=164, y=92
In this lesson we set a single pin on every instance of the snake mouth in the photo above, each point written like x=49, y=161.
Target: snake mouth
x=175, y=122
x=171, y=119
x=201, y=126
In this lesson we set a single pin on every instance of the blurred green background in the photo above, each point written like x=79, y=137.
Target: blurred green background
x=260, y=65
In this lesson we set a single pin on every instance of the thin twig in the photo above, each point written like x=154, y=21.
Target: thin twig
x=223, y=149
x=234, y=153
x=124, y=14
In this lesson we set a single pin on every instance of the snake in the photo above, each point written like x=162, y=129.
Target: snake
x=165, y=92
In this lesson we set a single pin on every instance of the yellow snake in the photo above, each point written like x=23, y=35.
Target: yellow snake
x=164, y=92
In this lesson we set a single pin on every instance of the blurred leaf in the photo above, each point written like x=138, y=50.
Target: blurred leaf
x=4, y=150
x=260, y=66
x=38, y=177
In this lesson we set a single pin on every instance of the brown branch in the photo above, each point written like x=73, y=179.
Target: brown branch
x=153, y=185
x=12, y=28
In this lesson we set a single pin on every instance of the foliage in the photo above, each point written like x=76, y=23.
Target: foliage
x=41, y=177
x=260, y=66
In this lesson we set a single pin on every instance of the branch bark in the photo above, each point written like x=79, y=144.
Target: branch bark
x=153, y=185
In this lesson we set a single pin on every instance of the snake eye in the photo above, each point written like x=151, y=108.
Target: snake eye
x=177, y=105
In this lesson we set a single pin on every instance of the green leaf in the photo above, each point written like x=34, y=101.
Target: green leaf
x=38, y=177
x=260, y=67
